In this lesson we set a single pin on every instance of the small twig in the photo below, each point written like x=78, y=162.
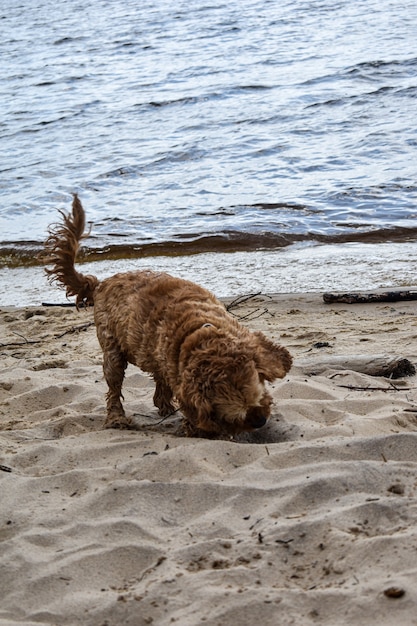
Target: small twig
x=21, y=336
x=75, y=329
x=241, y=299
x=254, y=524
x=160, y=421
x=28, y=342
x=355, y=388
x=16, y=343
x=152, y=568
x=166, y=417
x=394, y=386
x=251, y=314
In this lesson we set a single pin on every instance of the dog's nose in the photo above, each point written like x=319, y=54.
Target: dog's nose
x=259, y=422
x=257, y=416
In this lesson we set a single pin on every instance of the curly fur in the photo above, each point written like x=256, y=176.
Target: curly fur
x=200, y=357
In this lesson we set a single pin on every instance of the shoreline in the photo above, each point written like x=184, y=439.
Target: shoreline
x=297, y=269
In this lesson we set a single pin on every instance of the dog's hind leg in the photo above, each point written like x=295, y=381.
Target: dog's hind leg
x=163, y=396
x=114, y=366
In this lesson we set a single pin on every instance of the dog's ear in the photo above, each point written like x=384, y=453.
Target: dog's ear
x=272, y=361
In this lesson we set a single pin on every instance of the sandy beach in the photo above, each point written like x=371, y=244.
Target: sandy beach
x=310, y=520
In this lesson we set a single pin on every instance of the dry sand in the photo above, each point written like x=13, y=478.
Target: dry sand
x=312, y=520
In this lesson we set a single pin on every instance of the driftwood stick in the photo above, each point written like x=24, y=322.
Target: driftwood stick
x=373, y=365
x=64, y=304
x=366, y=298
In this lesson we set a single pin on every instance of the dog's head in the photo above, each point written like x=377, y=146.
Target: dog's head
x=223, y=383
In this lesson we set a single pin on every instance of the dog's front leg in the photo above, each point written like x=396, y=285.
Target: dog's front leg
x=163, y=396
x=114, y=365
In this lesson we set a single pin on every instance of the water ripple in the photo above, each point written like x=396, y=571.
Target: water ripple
x=208, y=126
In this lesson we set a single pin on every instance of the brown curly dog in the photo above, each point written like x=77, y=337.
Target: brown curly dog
x=198, y=354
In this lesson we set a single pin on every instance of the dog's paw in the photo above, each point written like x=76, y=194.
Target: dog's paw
x=119, y=421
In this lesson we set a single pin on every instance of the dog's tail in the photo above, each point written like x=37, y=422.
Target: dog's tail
x=61, y=248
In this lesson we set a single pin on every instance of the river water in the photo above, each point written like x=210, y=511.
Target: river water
x=242, y=144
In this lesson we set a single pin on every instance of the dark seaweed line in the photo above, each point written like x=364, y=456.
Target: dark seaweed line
x=29, y=253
